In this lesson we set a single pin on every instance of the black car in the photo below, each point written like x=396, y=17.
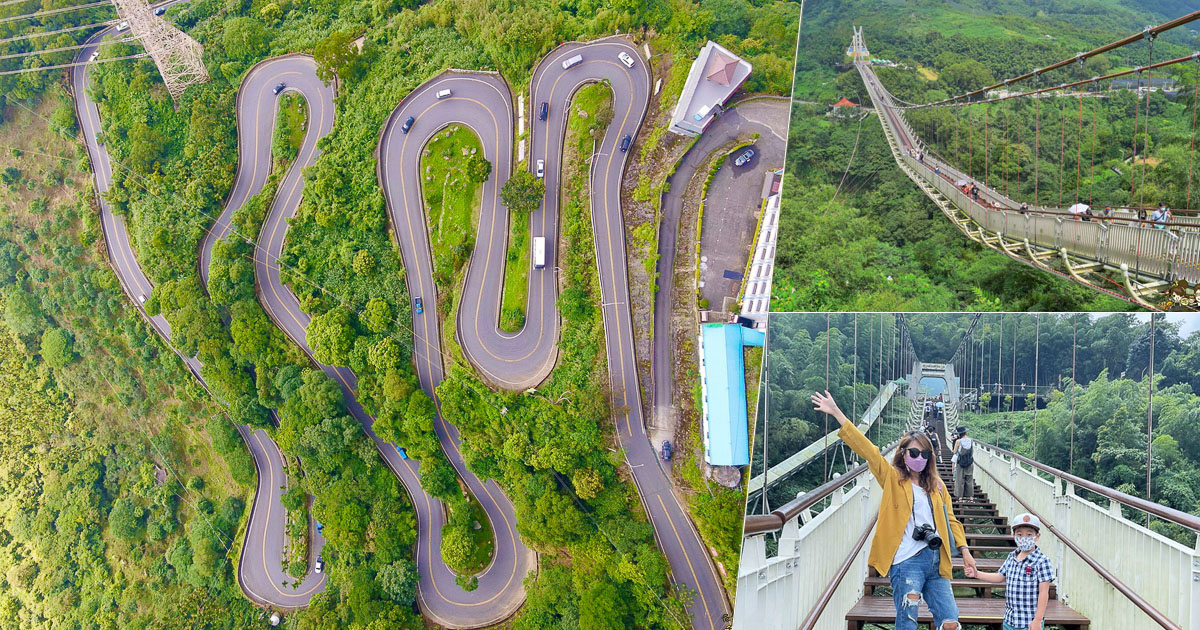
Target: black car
x=160, y=10
x=279, y=88
x=545, y=111
x=407, y=124
x=625, y=143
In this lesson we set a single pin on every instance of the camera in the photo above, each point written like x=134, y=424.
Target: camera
x=927, y=533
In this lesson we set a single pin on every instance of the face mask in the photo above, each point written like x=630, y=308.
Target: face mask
x=1026, y=543
x=915, y=464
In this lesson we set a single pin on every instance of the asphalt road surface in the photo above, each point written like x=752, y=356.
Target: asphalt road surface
x=482, y=102
x=744, y=120
x=260, y=575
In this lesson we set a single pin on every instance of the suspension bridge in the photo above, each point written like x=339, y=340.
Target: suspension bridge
x=1125, y=252
x=804, y=562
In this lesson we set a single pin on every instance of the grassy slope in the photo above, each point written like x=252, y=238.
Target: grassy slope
x=452, y=202
x=153, y=413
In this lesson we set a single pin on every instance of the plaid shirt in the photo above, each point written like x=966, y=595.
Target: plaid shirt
x=1022, y=578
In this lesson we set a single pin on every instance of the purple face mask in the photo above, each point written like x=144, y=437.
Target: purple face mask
x=915, y=464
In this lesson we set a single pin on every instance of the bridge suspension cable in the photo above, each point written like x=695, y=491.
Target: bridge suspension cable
x=1149, y=32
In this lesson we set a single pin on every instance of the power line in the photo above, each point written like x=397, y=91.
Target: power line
x=56, y=32
x=73, y=64
x=62, y=48
x=30, y=16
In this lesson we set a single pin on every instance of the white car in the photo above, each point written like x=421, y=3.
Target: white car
x=320, y=565
x=142, y=298
x=625, y=59
x=122, y=26
x=541, y=168
x=95, y=53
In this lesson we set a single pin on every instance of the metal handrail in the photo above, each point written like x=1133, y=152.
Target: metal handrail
x=1166, y=513
x=1146, y=607
x=763, y=523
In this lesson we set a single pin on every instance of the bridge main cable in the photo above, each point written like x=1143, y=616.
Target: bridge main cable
x=1149, y=32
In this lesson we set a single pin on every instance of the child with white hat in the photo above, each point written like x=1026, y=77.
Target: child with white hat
x=1026, y=575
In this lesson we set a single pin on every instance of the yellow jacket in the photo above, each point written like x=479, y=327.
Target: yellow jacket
x=896, y=507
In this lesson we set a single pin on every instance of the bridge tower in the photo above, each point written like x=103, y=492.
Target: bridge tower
x=176, y=54
x=858, y=46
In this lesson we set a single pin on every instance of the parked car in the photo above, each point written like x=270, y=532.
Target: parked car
x=420, y=306
x=320, y=566
x=95, y=53
x=545, y=111
x=122, y=26
x=541, y=168
x=625, y=142
x=744, y=158
x=320, y=528
x=408, y=124
x=444, y=93
x=401, y=453
x=666, y=451
x=160, y=10
x=279, y=87
x=625, y=59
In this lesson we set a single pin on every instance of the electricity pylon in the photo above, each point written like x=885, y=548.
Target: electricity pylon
x=176, y=54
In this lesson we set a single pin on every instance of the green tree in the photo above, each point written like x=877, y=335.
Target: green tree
x=337, y=56
x=478, y=168
x=398, y=580
x=523, y=192
x=364, y=263
x=58, y=347
x=22, y=312
x=332, y=336
x=245, y=38
x=125, y=519
x=378, y=315
x=966, y=75
x=457, y=546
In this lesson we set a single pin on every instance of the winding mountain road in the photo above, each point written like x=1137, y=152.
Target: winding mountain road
x=515, y=361
x=500, y=591
x=482, y=102
x=260, y=571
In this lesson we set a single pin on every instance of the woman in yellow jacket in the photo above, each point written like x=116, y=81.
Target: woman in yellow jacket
x=915, y=517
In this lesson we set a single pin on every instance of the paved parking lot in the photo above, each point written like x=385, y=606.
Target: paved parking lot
x=734, y=201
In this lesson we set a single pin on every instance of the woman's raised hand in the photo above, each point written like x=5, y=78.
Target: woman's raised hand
x=825, y=404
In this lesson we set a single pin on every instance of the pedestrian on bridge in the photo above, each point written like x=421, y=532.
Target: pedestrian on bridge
x=1026, y=575
x=915, y=516
x=1161, y=216
x=964, y=465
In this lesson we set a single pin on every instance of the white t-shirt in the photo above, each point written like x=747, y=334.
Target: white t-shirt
x=922, y=513
x=965, y=443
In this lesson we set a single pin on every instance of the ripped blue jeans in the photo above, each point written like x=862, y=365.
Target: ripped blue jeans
x=915, y=579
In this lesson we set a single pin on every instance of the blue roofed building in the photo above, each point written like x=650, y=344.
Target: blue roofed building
x=723, y=392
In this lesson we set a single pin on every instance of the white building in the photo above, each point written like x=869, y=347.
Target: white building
x=715, y=75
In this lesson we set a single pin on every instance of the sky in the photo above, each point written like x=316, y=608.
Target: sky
x=1189, y=322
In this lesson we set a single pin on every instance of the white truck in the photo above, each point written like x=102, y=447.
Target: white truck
x=539, y=252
